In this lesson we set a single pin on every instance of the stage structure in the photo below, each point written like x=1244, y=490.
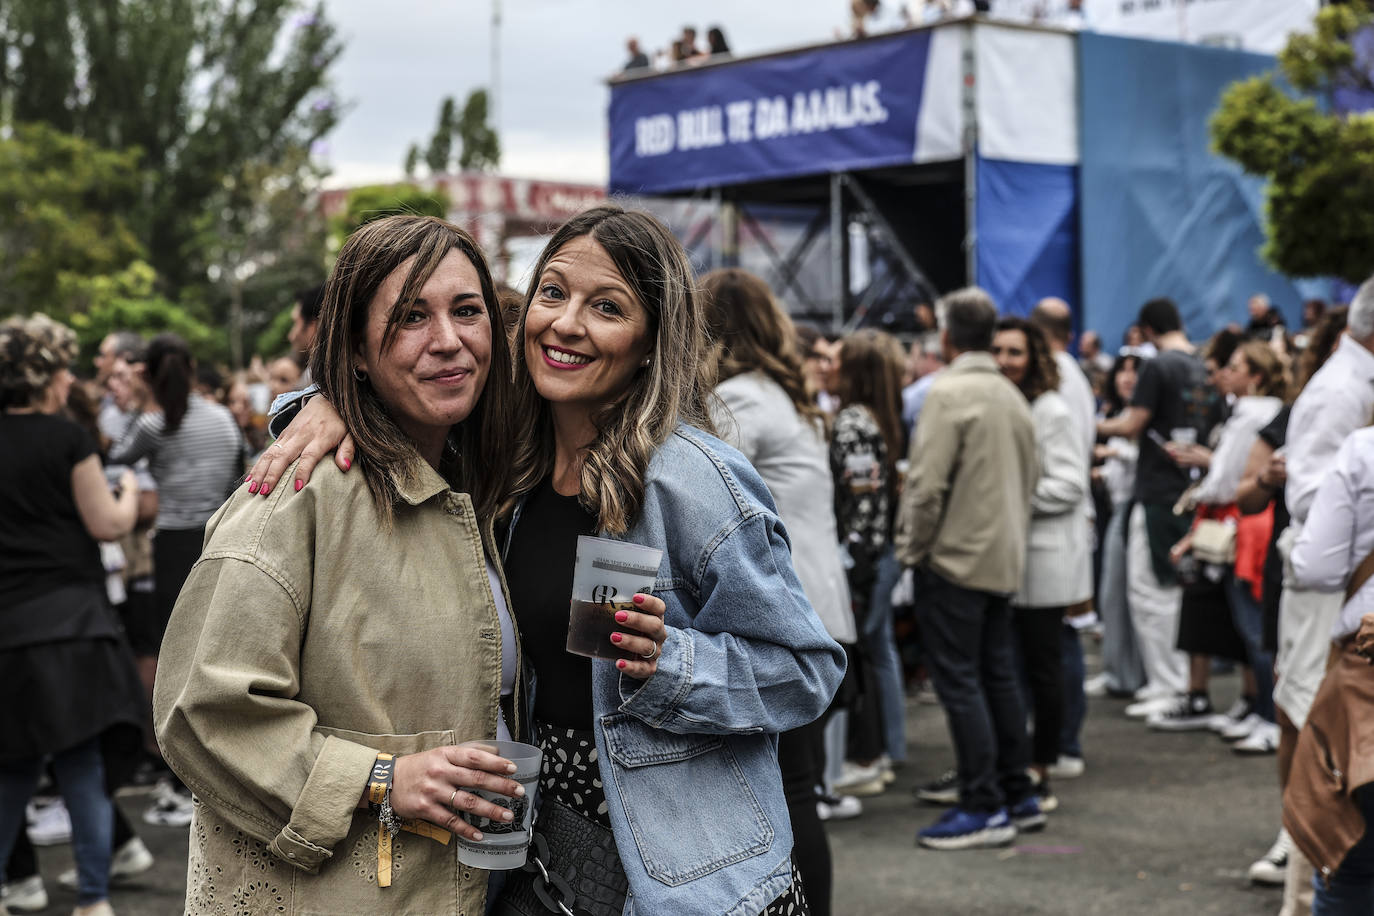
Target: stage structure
x=1031, y=161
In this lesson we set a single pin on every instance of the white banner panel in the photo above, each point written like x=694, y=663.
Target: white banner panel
x=940, y=124
x=1254, y=25
x=1027, y=90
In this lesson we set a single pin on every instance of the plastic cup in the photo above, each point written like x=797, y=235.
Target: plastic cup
x=606, y=577
x=504, y=845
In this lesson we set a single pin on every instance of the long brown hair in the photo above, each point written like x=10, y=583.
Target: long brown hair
x=871, y=374
x=671, y=389
x=386, y=455
x=1321, y=343
x=1042, y=373
x=751, y=333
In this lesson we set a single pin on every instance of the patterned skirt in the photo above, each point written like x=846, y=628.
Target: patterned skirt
x=571, y=776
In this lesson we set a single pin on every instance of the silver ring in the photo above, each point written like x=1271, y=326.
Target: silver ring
x=450, y=801
x=652, y=655
x=276, y=445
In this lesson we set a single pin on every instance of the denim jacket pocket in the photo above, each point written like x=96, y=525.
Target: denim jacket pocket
x=688, y=804
x=397, y=745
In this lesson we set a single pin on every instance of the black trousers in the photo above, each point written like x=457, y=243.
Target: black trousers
x=1042, y=661
x=968, y=639
x=801, y=758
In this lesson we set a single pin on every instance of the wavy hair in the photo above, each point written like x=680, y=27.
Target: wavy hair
x=1042, y=374
x=477, y=464
x=870, y=374
x=1321, y=343
x=673, y=388
x=750, y=332
x=32, y=351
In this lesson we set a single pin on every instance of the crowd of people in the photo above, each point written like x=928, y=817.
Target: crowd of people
x=846, y=523
x=683, y=51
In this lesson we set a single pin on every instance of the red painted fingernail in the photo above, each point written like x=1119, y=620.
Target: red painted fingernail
x=348, y=463
x=616, y=637
x=253, y=487
x=298, y=486
x=266, y=490
x=621, y=616
x=638, y=599
x=621, y=664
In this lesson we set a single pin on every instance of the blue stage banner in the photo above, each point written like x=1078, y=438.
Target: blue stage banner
x=849, y=106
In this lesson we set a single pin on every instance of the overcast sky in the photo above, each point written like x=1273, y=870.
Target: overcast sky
x=403, y=56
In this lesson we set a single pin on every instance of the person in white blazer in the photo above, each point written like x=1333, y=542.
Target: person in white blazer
x=763, y=409
x=1057, y=540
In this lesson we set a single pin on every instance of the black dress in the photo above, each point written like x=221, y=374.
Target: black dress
x=66, y=671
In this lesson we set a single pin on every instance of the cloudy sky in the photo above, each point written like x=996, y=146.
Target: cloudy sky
x=403, y=56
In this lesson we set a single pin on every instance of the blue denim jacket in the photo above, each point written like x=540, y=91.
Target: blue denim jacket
x=688, y=758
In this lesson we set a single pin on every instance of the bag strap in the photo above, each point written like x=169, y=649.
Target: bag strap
x=1360, y=577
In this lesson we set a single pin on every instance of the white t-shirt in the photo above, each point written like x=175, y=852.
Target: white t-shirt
x=507, y=648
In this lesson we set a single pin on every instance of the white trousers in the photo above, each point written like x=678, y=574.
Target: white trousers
x=1306, y=619
x=1155, y=610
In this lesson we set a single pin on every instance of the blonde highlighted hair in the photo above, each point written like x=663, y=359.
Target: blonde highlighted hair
x=32, y=351
x=671, y=389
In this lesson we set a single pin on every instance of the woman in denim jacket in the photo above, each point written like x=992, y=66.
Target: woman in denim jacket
x=683, y=811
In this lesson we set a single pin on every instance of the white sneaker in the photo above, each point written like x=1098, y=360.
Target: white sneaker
x=128, y=861
x=27, y=896
x=1143, y=709
x=170, y=808
x=860, y=780
x=1242, y=729
x=1271, y=868
x=102, y=908
x=51, y=825
x=1263, y=740
x=1240, y=711
x=1067, y=767
x=1096, y=686
x=838, y=807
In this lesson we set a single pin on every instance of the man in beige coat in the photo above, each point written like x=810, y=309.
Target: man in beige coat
x=964, y=514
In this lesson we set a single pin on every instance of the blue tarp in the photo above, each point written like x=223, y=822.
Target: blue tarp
x=839, y=108
x=1027, y=233
x=1162, y=215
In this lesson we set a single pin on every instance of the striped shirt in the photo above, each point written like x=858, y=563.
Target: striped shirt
x=195, y=467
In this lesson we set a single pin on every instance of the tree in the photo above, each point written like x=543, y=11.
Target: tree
x=62, y=205
x=481, y=146
x=412, y=160
x=199, y=87
x=439, y=153
x=1319, y=160
x=375, y=201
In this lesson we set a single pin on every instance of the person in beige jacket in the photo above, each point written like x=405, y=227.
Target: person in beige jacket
x=963, y=521
x=364, y=617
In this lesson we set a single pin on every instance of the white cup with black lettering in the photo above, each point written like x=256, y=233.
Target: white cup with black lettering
x=504, y=844
x=606, y=577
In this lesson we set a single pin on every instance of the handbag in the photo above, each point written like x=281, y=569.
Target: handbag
x=573, y=865
x=1214, y=542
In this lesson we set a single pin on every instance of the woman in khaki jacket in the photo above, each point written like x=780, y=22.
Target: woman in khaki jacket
x=365, y=617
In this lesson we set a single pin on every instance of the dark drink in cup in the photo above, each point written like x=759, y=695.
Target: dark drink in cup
x=590, y=626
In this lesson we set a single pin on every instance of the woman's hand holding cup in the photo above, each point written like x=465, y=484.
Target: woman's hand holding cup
x=643, y=633
x=433, y=786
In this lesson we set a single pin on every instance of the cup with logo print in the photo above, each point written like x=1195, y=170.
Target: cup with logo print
x=606, y=577
x=504, y=844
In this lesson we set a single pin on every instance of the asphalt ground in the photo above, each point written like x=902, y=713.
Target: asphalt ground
x=1160, y=824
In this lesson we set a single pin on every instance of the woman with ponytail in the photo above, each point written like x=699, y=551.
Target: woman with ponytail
x=195, y=452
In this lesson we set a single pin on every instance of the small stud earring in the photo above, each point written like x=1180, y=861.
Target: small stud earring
x=646, y=362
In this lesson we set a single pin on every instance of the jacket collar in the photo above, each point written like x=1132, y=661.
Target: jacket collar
x=975, y=361
x=417, y=482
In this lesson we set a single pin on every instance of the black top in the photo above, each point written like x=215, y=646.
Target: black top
x=1173, y=387
x=1275, y=434
x=43, y=543
x=539, y=571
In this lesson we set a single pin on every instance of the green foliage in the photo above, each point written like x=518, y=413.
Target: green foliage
x=125, y=301
x=62, y=205
x=375, y=201
x=412, y=160
x=206, y=90
x=273, y=340
x=439, y=153
x=1319, y=165
x=481, y=146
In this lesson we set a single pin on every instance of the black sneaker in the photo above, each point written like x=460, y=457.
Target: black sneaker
x=943, y=791
x=1190, y=713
